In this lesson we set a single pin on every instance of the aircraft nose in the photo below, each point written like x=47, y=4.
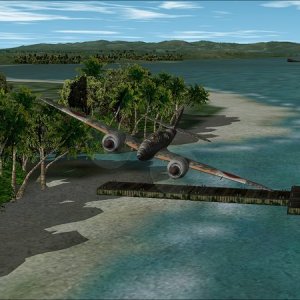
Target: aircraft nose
x=139, y=155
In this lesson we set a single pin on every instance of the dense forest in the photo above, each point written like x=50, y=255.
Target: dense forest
x=33, y=136
x=167, y=50
x=113, y=56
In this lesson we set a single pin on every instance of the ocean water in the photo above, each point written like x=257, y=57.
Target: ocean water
x=213, y=250
x=206, y=251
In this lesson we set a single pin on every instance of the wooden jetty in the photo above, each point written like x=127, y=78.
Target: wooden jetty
x=291, y=199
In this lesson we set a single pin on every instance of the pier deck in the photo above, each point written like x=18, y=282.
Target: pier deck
x=291, y=199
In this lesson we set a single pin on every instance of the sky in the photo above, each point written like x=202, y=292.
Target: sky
x=33, y=22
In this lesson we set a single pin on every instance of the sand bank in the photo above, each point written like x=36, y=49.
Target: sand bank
x=35, y=80
x=242, y=118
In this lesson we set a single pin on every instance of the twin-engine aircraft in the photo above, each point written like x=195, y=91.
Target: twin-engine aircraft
x=155, y=145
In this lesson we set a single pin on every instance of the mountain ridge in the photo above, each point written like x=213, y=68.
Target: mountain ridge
x=189, y=50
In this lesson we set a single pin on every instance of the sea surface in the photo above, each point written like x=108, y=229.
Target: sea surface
x=214, y=250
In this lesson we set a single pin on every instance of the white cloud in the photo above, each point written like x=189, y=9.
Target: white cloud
x=141, y=14
x=29, y=11
x=221, y=12
x=88, y=31
x=18, y=16
x=130, y=37
x=14, y=36
x=282, y=4
x=197, y=35
x=179, y=5
x=88, y=6
x=17, y=12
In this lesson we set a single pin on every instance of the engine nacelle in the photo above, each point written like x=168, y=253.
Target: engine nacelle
x=178, y=167
x=113, y=141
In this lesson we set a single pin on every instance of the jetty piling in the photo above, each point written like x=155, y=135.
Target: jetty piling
x=294, y=203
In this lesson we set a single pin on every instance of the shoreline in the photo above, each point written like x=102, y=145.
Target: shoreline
x=247, y=118
x=9, y=79
x=239, y=119
x=54, y=233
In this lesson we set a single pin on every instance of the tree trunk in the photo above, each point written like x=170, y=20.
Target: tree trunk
x=24, y=162
x=13, y=172
x=23, y=186
x=119, y=126
x=1, y=167
x=135, y=129
x=56, y=159
x=43, y=169
x=21, y=190
x=145, y=124
x=154, y=124
x=115, y=116
x=51, y=163
x=160, y=125
x=135, y=116
x=174, y=114
x=1, y=159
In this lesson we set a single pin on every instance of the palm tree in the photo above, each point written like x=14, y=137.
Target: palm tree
x=196, y=95
x=136, y=74
x=92, y=67
x=149, y=93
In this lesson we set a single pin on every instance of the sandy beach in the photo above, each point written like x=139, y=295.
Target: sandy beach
x=50, y=237
x=9, y=79
x=242, y=118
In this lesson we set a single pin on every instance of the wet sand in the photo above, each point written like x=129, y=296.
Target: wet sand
x=51, y=240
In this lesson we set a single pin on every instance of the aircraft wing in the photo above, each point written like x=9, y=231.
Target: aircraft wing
x=166, y=155
x=130, y=140
x=163, y=154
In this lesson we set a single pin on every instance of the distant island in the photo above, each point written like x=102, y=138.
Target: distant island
x=172, y=50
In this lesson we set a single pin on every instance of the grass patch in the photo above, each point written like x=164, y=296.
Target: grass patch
x=204, y=110
x=5, y=180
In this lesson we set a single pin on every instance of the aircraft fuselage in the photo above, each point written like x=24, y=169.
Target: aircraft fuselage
x=155, y=142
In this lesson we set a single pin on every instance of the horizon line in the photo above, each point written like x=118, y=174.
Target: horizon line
x=149, y=42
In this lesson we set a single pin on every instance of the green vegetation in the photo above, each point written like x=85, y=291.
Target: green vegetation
x=6, y=191
x=29, y=133
x=106, y=51
x=125, y=98
x=112, y=56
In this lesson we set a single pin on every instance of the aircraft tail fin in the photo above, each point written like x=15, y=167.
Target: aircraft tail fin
x=177, y=117
x=174, y=123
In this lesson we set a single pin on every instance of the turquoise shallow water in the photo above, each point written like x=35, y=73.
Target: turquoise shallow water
x=210, y=251
x=214, y=250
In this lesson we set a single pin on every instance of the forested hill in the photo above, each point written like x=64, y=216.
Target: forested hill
x=186, y=50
